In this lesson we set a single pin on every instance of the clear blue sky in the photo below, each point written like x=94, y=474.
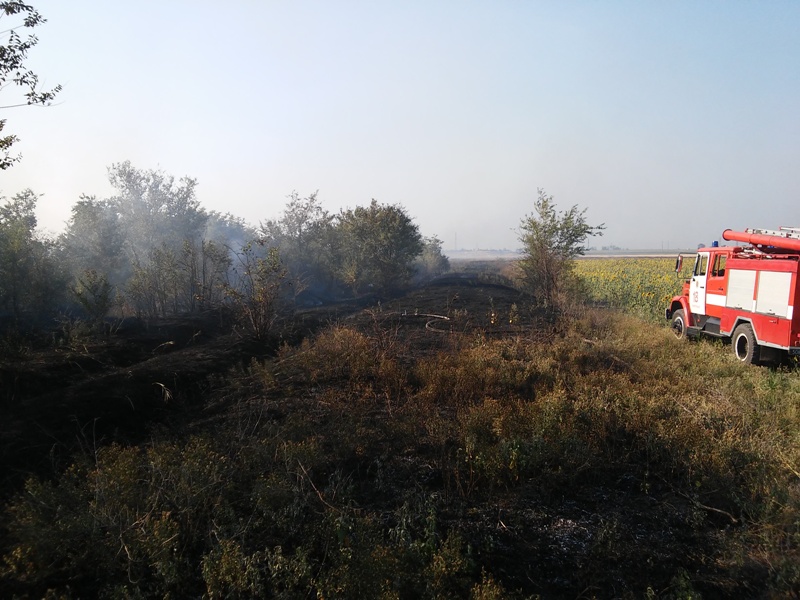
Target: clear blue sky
x=668, y=121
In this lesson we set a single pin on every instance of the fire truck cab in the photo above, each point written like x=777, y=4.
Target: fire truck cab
x=745, y=295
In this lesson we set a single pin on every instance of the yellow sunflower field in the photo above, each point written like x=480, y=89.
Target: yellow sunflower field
x=641, y=284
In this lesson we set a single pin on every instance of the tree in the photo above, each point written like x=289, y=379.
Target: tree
x=228, y=230
x=431, y=262
x=300, y=217
x=176, y=256
x=94, y=240
x=551, y=240
x=154, y=210
x=301, y=236
x=29, y=277
x=17, y=240
x=12, y=67
x=377, y=246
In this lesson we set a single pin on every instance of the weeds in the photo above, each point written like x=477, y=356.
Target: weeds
x=354, y=467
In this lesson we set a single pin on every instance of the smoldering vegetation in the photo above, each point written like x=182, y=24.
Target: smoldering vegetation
x=152, y=251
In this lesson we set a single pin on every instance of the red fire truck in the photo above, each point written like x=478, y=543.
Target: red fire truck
x=744, y=294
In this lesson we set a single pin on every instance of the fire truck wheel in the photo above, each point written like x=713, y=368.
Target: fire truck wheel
x=679, y=324
x=744, y=344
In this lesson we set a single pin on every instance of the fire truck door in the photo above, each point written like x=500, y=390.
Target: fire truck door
x=697, y=286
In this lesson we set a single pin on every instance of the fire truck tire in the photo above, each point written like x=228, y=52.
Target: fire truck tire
x=679, y=324
x=744, y=344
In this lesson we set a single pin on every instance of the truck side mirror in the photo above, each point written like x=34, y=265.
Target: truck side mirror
x=679, y=263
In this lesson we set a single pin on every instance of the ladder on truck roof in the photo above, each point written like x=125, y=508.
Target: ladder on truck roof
x=792, y=233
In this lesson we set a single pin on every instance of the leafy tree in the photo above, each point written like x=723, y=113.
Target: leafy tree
x=13, y=53
x=228, y=230
x=17, y=240
x=551, y=240
x=159, y=284
x=154, y=210
x=431, y=262
x=29, y=276
x=302, y=236
x=163, y=227
x=94, y=240
x=377, y=246
x=300, y=218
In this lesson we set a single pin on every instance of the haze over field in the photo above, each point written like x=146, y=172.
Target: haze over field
x=668, y=122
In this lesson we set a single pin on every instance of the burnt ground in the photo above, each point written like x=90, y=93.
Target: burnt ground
x=59, y=396
x=603, y=538
x=63, y=396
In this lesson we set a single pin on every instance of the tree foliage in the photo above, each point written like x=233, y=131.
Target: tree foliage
x=431, y=262
x=29, y=277
x=94, y=240
x=367, y=248
x=151, y=249
x=153, y=209
x=13, y=53
x=377, y=246
x=303, y=237
x=551, y=240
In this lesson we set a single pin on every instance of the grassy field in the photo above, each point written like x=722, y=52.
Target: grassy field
x=451, y=443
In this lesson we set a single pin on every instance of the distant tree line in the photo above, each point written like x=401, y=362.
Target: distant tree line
x=152, y=250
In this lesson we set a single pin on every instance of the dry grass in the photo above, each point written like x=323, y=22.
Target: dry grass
x=367, y=462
